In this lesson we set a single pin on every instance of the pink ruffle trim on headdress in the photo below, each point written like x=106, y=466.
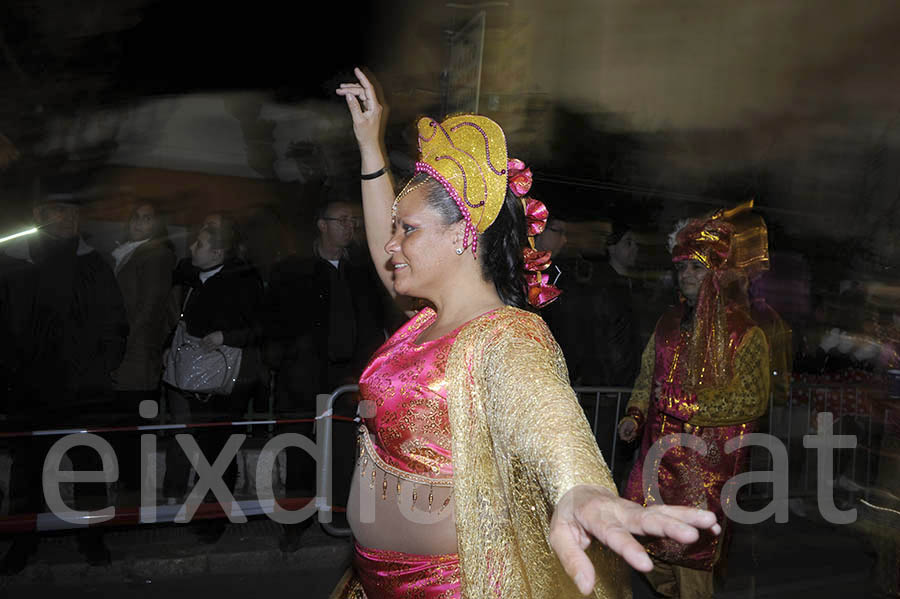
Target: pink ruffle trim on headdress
x=540, y=291
x=519, y=177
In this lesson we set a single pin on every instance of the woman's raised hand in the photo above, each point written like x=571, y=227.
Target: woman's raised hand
x=376, y=181
x=365, y=109
x=588, y=511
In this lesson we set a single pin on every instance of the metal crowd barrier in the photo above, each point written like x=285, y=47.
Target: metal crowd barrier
x=808, y=398
x=601, y=395
x=324, y=482
x=131, y=515
x=805, y=400
x=849, y=404
x=789, y=421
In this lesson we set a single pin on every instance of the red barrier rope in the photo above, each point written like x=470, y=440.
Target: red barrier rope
x=157, y=427
x=131, y=516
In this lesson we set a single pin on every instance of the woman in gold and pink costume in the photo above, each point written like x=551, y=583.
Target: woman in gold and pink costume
x=477, y=474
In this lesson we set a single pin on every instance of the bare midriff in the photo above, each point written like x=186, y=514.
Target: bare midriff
x=401, y=497
x=393, y=510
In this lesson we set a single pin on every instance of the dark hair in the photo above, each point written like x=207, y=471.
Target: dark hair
x=620, y=228
x=223, y=237
x=499, y=247
x=160, y=229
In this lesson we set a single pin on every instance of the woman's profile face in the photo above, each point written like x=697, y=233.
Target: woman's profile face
x=422, y=248
x=202, y=253
x=142, y=222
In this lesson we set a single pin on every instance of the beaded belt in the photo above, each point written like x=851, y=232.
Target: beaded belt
x=367, y=454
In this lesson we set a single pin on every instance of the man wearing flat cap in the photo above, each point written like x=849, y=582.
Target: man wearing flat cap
x=66, y=329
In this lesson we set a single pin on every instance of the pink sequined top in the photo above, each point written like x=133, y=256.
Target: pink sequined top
x=405, y=379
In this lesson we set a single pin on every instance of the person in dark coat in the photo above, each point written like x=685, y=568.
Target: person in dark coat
x=221, y=308
x=186, y=272
x=65, y=333
x=324, y=319
x=614, y=352
x=323, y=314
x=143, y=267
x=593, y=320
x=568, y=317
x=143, y=264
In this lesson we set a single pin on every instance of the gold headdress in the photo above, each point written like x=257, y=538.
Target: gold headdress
x=729, y=239
x=467, y=155
x=732, y=244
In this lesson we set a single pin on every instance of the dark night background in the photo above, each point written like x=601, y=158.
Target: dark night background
x=293, y=48
x=646, y=111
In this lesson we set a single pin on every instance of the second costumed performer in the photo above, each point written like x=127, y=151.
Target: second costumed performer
x=477, y=475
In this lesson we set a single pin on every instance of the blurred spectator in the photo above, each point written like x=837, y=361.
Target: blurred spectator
x=324, y=314
x=881, y=514
x=324, y=319
x=185, y=272
x=810, y=356
x=217, y=219
x=593, y=320
x=621, y=246
x=65, y=331
x=781, y=347
x=561, y=315
x=8, y=152
x=554, y=238
x=838, y=340
x=616, y=357
x=143, y=266
x=887, y=334
x=264, y=239
x=221, y=307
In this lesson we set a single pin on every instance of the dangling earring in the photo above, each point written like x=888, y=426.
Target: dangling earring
x=459, y=251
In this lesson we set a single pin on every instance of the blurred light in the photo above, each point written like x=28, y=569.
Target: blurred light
x=19, y=234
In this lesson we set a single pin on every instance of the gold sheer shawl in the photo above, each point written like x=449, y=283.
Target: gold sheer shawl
x=520, y=441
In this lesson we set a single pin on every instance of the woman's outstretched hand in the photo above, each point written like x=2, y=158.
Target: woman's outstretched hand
x=365, y=109
x=588, y=511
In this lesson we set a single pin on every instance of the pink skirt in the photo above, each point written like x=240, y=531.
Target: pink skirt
x=392, y=575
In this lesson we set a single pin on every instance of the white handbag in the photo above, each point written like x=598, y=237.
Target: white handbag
x=192, y=369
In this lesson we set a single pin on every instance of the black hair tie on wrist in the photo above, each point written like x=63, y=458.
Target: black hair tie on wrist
x=375, y=175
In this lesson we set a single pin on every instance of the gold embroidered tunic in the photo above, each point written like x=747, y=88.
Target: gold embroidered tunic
x=520, y=442
x=663, y=404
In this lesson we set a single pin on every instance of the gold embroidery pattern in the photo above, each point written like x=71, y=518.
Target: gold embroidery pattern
x=407, y=382
x=368, y=453
x=746, y=397
x=640, y=393
x=520, y=442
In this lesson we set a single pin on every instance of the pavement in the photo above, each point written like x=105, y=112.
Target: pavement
x=804, y=557
x=167, y=560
